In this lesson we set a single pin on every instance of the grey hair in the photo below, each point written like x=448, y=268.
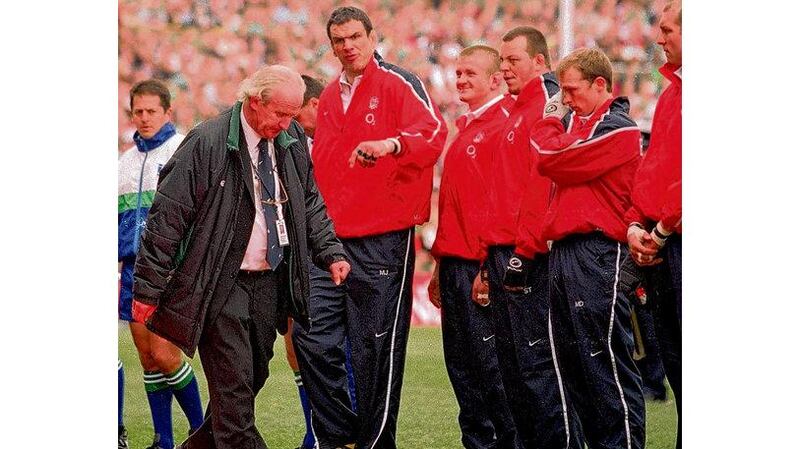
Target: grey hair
x=267, y=79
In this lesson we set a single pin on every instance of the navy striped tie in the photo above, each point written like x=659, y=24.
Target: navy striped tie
x=265, y=173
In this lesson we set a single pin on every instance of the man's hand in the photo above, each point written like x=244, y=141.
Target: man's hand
x=555, y=108
x=339, y=271
x=480, y=288
x=142, y=311
x=643, y=248
x=367, y=153
x=516, y=276
x=434, y=294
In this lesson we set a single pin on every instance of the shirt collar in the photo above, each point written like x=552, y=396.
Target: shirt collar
x=251, y=137
x=356, y=80
x=679, y=72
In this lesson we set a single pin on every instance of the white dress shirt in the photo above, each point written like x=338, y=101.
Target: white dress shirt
x=255, y=256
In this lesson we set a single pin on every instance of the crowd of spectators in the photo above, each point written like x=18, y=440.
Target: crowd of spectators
x=203, y=48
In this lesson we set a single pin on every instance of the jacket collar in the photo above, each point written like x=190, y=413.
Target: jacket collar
x=671, y=72
x=283, y=139
x=531, y=89
x=613, y=104
x=371, y=67
x=618, y=104
x=163, y=134
x=373, y=64
x=479, y=115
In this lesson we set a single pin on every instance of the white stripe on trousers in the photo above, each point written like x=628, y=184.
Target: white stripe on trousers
x=611, y=352
x=394, y=334
x=558, y=376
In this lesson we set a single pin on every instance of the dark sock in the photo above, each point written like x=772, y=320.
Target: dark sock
x=159, y=395
x=184, y=386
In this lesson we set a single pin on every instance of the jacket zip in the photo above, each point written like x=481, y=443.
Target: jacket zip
x=136, y=230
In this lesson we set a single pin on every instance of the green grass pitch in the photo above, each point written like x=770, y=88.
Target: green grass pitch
x=428, y=408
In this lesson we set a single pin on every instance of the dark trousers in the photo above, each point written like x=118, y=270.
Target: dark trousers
x=375, y=315
x=235, y=350
x=530, y=376
x=664, y=281
x=471, y=360
x=320, y=353
x=594, y=340
x=650, y=366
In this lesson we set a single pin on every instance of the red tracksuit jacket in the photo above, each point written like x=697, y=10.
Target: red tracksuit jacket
x=656, y=190
x=464, y=189
x=512, y=166
x=592, y=164
x=395, y=193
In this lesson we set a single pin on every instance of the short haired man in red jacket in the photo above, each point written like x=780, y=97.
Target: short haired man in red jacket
x=520, y=317
x=378, y=136
x=467, y=329
x=591, y=156
x=654, y=219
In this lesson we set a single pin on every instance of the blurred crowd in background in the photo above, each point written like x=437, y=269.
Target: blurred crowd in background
x=204, y=48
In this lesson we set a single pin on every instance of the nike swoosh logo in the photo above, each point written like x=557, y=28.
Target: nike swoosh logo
x=488, y=338
x=594, y=353
x=381, y=334
x=531, y=343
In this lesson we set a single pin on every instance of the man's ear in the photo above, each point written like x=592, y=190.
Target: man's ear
x=539, y=58
x=600, y=82
x=314, y=102
x=252, y=102
x=496, y=80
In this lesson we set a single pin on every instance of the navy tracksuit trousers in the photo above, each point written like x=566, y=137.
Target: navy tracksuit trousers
x=373, y=308
x=650, y=367
x=471, y=360
x=664, y=283
x=522, y=338
x=320, y=354
x=594, y=340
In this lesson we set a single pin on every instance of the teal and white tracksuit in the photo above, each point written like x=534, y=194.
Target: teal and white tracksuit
x=138, y=176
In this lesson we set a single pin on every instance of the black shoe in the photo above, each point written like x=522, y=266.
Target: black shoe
x=122, y=439
x=157, y=443
x=655, y=395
